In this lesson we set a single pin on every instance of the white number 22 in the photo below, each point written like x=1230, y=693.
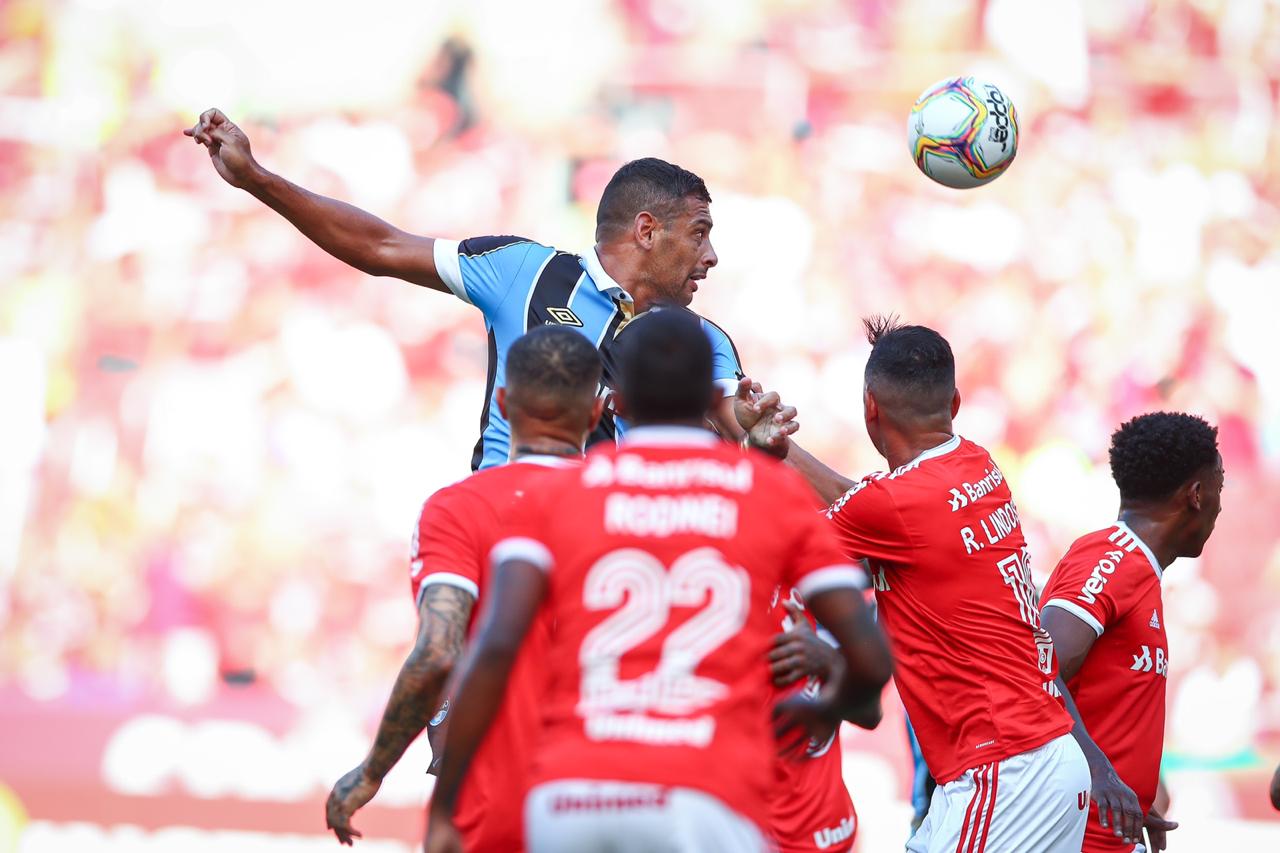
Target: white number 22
x=643, y=590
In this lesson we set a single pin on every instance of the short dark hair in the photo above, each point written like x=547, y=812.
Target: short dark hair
x=553, y=364
x=645, y=184
x=912, y=365
x=664, y=366
x=1155, y=454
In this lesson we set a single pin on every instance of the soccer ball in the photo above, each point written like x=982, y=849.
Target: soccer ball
x=963, y=132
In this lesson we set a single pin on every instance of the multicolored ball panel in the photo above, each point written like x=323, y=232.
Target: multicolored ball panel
x=963, y=132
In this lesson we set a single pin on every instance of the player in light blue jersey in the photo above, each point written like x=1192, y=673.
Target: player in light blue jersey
x=653, y=246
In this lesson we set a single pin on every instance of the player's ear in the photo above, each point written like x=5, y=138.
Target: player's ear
x=869, y=407
x=502, y=402
x=645, y=229
x=1195, y=494
x=618, y=404
x=955, y=403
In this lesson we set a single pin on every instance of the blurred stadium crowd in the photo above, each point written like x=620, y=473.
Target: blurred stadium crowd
x=216, y=438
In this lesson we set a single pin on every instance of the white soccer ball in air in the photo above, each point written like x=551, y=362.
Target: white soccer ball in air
x=963, y=132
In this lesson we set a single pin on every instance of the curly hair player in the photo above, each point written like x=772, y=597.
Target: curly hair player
x=1103, y=608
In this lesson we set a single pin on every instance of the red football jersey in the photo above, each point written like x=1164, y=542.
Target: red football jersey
x=949, y=566
x=1111, y=581
x=667, y=550
x=456, y=530
x=809, y=806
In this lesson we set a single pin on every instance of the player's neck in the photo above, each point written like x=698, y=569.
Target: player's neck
x=1156, y=527
x=544, y=446
x=691, y=423
x=622, y=268
x=618, y=266
x=900, y=449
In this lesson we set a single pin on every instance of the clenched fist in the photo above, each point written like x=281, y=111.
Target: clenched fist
x=228, y=147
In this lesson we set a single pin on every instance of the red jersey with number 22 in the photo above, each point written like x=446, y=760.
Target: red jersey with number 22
x=949, y=567
x=667, y=550
x=456, y=530
x=1110, y=580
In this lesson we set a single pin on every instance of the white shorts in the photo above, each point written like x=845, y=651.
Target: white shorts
x=1035, y=801
x=593, y=816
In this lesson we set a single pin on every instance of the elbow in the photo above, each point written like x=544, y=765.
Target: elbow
x=878, y=668
x=385, y=255
x=428, y=669
x=867, y=715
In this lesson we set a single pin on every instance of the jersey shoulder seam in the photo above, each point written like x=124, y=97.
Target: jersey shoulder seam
x=515, y=241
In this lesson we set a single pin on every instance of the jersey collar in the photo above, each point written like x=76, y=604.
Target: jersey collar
x=668, y=436
x=1151, y=558
x=603, y=281
x=934, y=452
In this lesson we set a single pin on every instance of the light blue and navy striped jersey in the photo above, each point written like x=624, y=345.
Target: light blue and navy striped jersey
x=518, y=284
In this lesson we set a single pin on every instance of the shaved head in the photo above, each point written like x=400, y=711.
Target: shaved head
x=552, y=372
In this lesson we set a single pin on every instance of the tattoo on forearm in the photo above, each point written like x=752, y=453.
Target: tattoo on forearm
x=443, y=613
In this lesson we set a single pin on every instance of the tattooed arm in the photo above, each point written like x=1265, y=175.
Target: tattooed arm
x=442, y=628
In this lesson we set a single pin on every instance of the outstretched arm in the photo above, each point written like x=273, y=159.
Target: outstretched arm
x=443, y=614
x=351, y=235
x=827, y=482
x=517, y=589
x=1118, y=807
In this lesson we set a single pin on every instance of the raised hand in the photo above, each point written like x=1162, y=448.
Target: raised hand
x=228, y=147
x=350, y=793
x=766, y=421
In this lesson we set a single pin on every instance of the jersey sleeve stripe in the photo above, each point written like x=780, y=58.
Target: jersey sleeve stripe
x=462, y=582
x=449, y=268
x=832, y=577
x=728, y=387
x=522, y=548
x=1077, y=611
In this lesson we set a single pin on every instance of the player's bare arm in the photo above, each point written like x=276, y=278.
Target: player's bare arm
x=442, y=629
x=867, y=668
x=351, y=235
x=1118, y=807
x=517, y=589
x=829, y=483
x=800, y=653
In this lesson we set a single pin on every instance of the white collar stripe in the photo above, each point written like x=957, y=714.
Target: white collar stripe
x=1151, y=558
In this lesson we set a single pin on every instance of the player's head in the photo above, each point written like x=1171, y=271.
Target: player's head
x=1167, y=463
x=910, y=380
x=660, y=214
x=664, y=368
x=552, y=385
